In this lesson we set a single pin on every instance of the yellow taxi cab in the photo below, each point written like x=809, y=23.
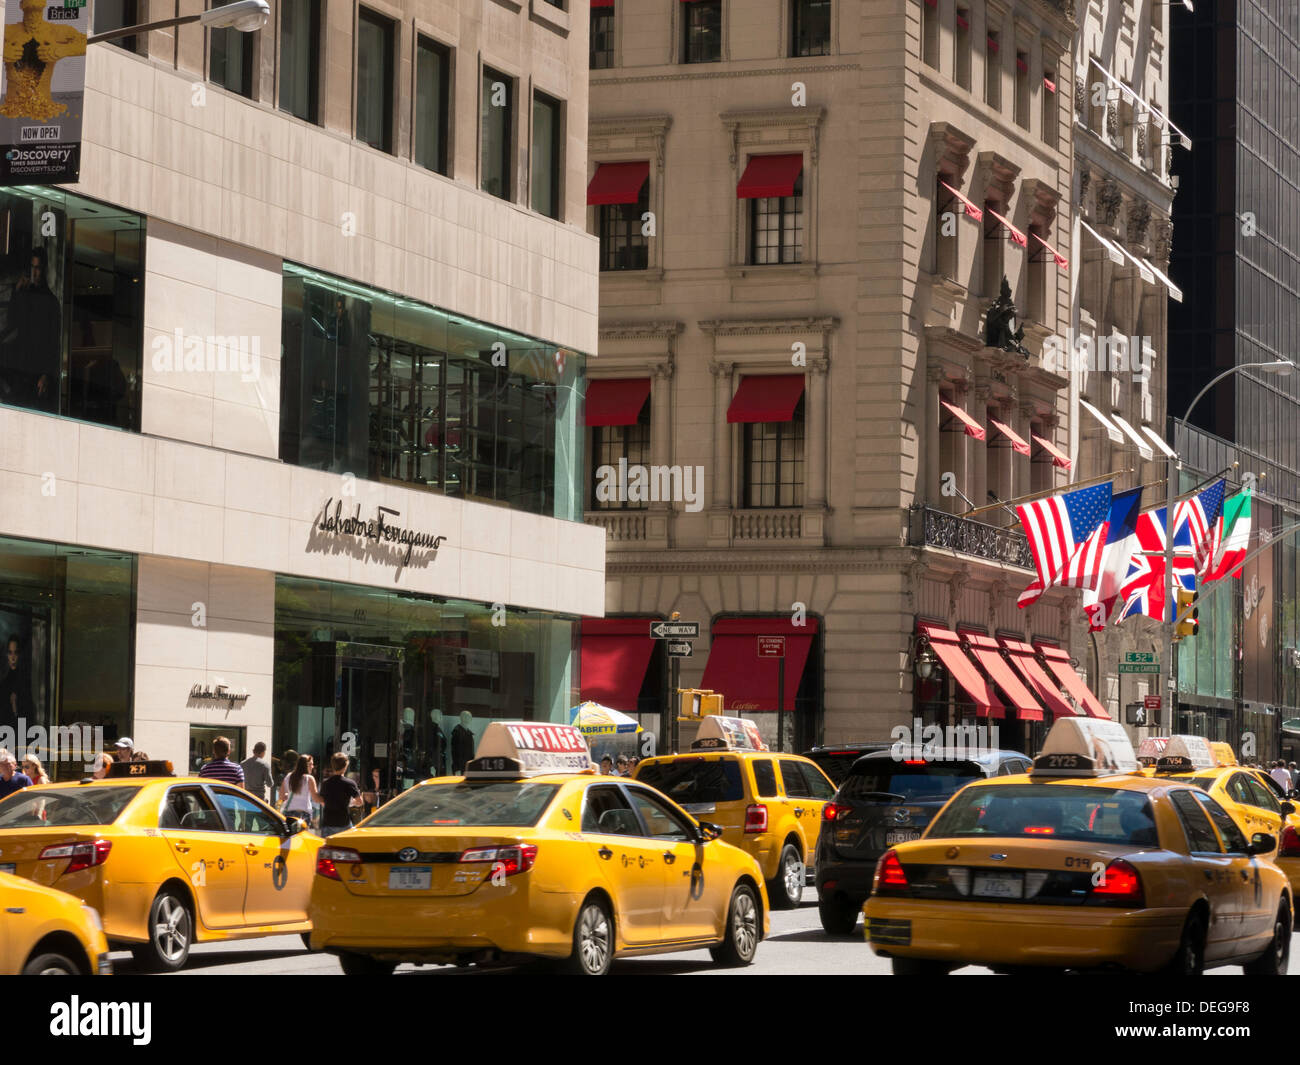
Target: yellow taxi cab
x=1085, y=862
x=1247, y=794
x=166, y=861
x=44, y=932
x=531, y=855
x=767, y=804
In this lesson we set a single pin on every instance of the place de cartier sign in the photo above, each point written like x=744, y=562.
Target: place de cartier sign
x=373, y=537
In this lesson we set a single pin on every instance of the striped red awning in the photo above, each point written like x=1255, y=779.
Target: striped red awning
x=1022, y=655
x=1017, y=441
x=978, y=691
x=989, y=655
x=1059, y=663
x=1059, y=457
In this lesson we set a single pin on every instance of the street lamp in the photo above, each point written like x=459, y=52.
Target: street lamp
x=246, y=16
x=1278, y=367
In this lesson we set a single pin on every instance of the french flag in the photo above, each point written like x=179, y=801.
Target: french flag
x=1120, y=545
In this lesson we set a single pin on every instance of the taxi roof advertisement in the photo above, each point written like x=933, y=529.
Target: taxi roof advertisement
x=1105, y=742
x=539, y=748
x=42, y=91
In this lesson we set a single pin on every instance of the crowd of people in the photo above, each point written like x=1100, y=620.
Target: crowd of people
x=622, y=766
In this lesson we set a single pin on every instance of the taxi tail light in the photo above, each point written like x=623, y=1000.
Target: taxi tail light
x=889, y=874
x=506, y=860
x=833, y=811
x=329, y=858
x=80, y=855
x=755, y=818
x=1119, y=884
x=1289, y=847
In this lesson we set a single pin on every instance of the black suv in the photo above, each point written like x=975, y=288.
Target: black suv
x=886, y=800
x=836, y=761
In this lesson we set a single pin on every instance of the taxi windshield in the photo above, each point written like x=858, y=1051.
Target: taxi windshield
x=65, y=807
x=1096, y=815
x=695, y=780
x=513, y=803
x=888, y=781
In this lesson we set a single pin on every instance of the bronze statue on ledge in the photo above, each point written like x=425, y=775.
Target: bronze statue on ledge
x=1002, y=328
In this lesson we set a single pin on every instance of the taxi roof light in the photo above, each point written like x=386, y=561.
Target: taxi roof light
x=510, y=750
x=719, y=733
x=157, y=768
x=1182, y=754
x=1085, y=747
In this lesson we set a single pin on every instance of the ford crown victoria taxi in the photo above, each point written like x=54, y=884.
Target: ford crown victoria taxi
x=44, y=932
x=1084, y=862
x=532, y=856
x=769, y=805
x=166, y=861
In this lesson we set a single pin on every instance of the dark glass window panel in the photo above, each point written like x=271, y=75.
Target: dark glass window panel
x=113, y=15
x=703, y=29
x=497, y=117
x=623, y=246
x=546, y=156
x=609, y=444
x=300, y=58
x=811, y=24
x=230, y=59
x=432, y=66
x=774, y=462
x=776, y=228
x=602, y=38
x=375, y=45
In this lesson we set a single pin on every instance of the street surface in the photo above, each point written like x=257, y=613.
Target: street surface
x=797, y=946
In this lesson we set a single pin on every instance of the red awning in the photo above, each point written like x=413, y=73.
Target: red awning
x=963, y=23
x=989, y=655
x=746, y=681
x=1022, y=66
x=769, y=175
x=1017, y=441
x=1039, y=682
x=617, y=183
x=976, y=213
x=602, y=3
x=616, y=402
x=1048, y=83
x=770, y=398
x=1016, y=236
x=1059, y=663
x=972, y=682
x=971, y=426
x=1059, y=457
x=1057, y=257
x=615, y=654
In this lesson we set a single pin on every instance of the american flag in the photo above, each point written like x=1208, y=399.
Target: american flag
x=1056, y=528
x=1200, y=515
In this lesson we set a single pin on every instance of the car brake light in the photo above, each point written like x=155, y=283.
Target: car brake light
x=889, y=873
x=1119, y=883
x=1289, y=847
x=80, y=855
x=833, y=811
x=506, y=860
x=1039, y=830
x=327, y=859
x=755, y=818
x=913, y=761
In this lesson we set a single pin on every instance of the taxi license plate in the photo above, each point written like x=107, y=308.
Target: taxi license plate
x=8, y=867
x=410, y=878
x=999, y=885
x=904, y=836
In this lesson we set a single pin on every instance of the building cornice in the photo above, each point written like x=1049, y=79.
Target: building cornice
x=785, y=116
x=768, y=326
x=740, y=560
x=640, y=330
x=613, y=125
x=672, y=74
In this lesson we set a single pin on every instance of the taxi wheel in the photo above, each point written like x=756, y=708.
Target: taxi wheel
x=306, y=940
x=1274, y=961
x=1189, y=960
x=51, y=965
x=170, y=935
x=741, y=942
x=593, y=941
x=839, y=914
x=364, y=965
x=786, y=890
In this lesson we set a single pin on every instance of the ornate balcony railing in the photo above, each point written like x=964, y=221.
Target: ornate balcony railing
x=766, y=524
x=934, y=528
x=621, y=526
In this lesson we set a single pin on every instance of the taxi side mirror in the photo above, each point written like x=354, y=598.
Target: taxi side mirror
x=294, y=825
x=709, y=831
x=1261, y=843
x=1288, y=808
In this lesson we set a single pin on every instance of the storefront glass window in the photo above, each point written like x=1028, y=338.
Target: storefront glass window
x=71, y=306
x=67, y=618
x=414, y=395
x=405, y=684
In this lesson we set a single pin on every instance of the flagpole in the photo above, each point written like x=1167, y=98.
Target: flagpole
x=1048, y=492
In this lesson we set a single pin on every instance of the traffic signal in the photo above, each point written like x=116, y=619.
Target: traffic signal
x=1190, y=625
x=697, y=703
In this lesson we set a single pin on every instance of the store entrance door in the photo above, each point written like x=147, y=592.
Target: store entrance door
x=368, y=689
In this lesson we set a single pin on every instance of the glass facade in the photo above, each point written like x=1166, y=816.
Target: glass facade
x=67, y=619
x=71, y=306
x=402, y=392
x=406, y=684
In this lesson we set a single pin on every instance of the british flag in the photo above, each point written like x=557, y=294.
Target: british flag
x=1057, y=528
x=1143, y=589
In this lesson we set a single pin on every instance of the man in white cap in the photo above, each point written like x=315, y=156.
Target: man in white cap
x=124, y=747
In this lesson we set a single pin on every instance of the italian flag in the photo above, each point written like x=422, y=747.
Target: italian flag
x=1231, y=538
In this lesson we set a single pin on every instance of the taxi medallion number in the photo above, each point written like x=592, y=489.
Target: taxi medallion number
x=998, y=885
x=410, y=878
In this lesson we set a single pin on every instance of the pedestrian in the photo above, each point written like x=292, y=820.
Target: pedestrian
x=257, y=773
x=299, y=791
x=220, y=767
x=1280, y=773
x=10, y=779
x=102, y=761
x=1295, y=776
x=606, y=765
x=623, y=768
x=139, y=756
x=123, y=749
x=33, y=768
x=288, y=762
x=339, y=793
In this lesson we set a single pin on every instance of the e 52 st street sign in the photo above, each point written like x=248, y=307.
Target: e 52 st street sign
x=682, y=630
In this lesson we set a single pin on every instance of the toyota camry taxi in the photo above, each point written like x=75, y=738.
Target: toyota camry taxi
x=531, y=855
x=1084, y=862
x=769, y=805
x=166, y=861
x=1245, y=793
x=44, y=932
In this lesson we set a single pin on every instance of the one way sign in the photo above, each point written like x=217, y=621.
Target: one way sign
x=682, y=630
x=680, y=649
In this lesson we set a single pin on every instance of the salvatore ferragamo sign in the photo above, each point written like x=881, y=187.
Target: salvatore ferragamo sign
x=375, y=537
x=219, y=694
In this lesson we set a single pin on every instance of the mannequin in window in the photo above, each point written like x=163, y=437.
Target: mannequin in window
x=462, y=742
x=437, y=744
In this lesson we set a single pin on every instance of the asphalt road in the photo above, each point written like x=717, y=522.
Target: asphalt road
x=796, y=946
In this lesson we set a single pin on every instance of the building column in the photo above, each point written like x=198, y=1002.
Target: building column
x=933, y=416
x=1004, y=484
x=817, y=434
x=963, y=452
x=660, y=411
x=980, y=481
x=719, y=523
x=1023, y=480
